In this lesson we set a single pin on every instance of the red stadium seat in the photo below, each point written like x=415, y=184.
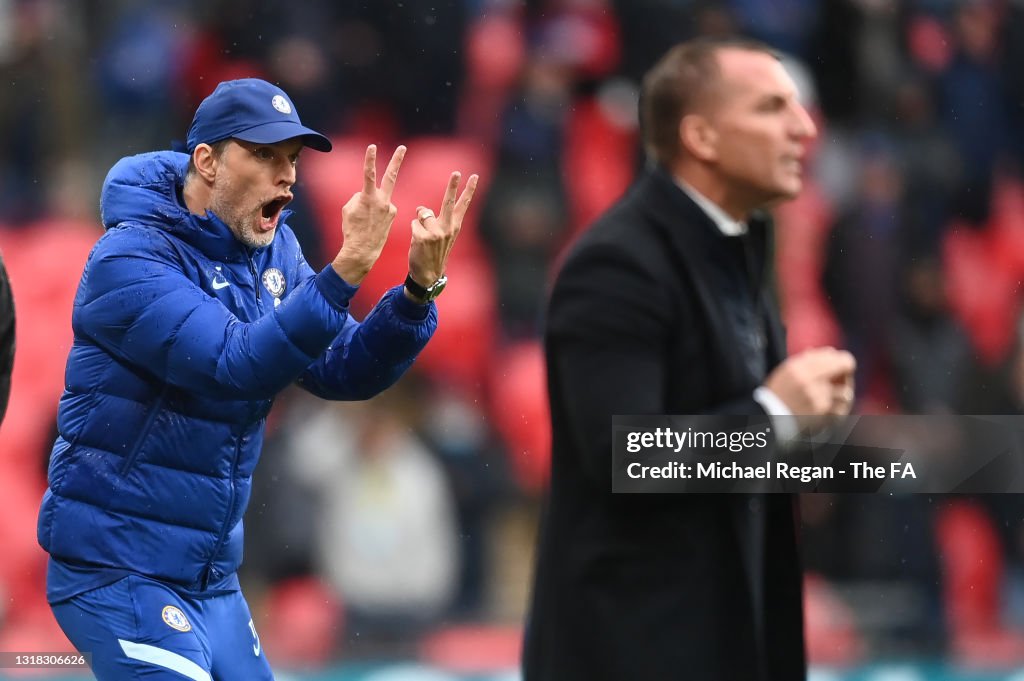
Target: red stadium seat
x=803, y=227
x=495, y=50
x=1007, y=225
x=832, y=637
x=598, y=162
x=304, y=621
x=33, y=629
x=984, y=270
x=44, y=262
x=519, y=412
x=982, y=291
x=973, y=562
x=44, y=285
x=473, y=649
x=460, y=351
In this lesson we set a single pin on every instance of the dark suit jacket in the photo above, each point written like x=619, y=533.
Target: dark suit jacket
x=6, y=338
x=656, y=312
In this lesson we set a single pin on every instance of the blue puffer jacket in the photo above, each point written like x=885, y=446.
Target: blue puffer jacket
x=182, y=337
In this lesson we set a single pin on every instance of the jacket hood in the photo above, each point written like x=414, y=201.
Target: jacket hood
x=146, y=189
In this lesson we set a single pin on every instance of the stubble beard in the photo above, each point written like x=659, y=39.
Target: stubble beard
x=240, y=224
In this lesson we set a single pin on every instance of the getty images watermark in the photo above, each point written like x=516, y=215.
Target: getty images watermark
x=885, y=454
x=735, y=442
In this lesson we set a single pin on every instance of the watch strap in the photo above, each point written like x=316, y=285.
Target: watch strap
x=414, y=288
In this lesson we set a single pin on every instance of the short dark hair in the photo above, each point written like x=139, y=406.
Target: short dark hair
x=674, y=86
x=218, y=151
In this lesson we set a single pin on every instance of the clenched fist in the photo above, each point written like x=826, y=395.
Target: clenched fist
x=816, y=385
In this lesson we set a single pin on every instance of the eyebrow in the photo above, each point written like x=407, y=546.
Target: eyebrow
x=771, y=99
x=253, y=147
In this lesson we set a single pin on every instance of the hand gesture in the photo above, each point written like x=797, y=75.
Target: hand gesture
x=366, y=218
x=816, y=385
x=433, y=236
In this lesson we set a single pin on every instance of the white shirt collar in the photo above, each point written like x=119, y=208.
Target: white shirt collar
x=726, y=225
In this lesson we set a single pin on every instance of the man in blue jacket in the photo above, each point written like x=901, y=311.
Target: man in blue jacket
x=195, y=309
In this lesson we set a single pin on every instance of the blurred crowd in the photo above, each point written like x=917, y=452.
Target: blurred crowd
x=398, y=525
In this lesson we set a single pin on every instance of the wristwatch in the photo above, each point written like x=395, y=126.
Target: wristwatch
x=426, y=294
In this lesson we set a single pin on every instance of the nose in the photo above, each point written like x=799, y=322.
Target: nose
x=803, y=125
x=287, y=175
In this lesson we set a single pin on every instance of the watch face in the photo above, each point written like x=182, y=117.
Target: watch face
x=438, y=286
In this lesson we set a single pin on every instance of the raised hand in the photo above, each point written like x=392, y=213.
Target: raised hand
x=367, y=217
x=434, y=235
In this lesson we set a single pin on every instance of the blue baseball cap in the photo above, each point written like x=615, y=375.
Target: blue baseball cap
x=252, y=110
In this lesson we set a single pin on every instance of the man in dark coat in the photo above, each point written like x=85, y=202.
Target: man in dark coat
x=6, y=338
x=665, y=307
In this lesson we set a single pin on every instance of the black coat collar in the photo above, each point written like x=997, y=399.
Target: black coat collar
x=691, y=232
x=686, y=223
x=696, y=240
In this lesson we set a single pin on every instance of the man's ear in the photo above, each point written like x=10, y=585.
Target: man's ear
x=698, y=138
x=205, y=161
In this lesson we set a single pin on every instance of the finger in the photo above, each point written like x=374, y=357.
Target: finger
x=829, y=363
x=462, y=205
x=387, y=185
x=424, y=215
x=844, y=394
x=448, y=203
x=846, y=379
x=842, y=403
x=419, y=232
x=844, y=363
x=370, y=170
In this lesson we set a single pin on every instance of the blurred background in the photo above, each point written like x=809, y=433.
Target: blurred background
x=392, y=540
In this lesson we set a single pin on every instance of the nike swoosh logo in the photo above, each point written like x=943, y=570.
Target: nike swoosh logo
x=256, y=646
x=218, y=285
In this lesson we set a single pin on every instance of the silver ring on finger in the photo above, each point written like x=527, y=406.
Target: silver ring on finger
x=425, y=215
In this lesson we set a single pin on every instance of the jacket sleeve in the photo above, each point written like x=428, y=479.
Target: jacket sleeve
x=608, y=334
x=137, y=303
x=369, y=356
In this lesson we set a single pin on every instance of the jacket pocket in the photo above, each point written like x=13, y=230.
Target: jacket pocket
x=133, y=454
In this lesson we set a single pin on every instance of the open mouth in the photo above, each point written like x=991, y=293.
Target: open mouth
x=272, y=211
